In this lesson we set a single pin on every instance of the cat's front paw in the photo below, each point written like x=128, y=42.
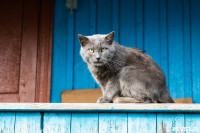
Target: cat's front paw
x=104, y=100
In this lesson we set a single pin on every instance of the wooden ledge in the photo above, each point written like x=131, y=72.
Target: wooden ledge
x=95, y=107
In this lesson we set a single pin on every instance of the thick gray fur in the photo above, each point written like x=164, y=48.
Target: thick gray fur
x=126, y=72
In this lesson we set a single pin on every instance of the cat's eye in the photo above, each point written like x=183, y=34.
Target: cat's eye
x=91, y=50
x=103, y=49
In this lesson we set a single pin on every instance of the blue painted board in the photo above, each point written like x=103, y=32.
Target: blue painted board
x=116, y=19
x=59, y=54
x=128, y=23
x=141, y=122
x=7, y=122
x=166, y=122
x=140, y=23
x=175, y=45
x=56, y=122
x=195, y=44
x=168, y=30
x=84, y=123
x=192, y=121
x=80, y=67
x=113, y=122
x=187, y=50
x=163, y=40
x=28, y=122
x=104, y=16
x=70, y=50
x=151, y=23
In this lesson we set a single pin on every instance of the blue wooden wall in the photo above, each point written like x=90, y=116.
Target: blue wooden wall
x=71, y=122
x=168, y=30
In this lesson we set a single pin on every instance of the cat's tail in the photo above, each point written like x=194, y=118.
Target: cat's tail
x=165, y=97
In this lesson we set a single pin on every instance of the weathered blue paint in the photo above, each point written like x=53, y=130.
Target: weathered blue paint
x=7, y=122
x=167, y=30
x=28, y=122
x=113, y=122
x=166, y=122
x=141, y=122
x=84, y=123
x=62, y=122
x=56, y=123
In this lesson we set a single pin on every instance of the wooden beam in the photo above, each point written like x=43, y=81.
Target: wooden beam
x=97, y=107
x=43, y=80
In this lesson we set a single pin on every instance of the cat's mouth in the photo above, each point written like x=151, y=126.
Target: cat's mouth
x=98, y=63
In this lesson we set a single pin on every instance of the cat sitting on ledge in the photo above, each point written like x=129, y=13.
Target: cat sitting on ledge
x=127, y=72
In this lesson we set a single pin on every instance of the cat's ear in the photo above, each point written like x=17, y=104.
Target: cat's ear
x=110, y=37
x=83, y=40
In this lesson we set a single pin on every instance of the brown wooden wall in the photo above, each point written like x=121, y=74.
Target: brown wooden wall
x=25, y=50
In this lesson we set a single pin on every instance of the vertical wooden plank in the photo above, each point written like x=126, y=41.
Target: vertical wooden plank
x=195, y=39
x=104, y=16
x=28, y=123
x=112, y=122
x=56, y=122
x=152, y=29
x=84, y=123
x=163, y=39
x=44, y=51
x=187, y=49
x=175, y=45
x=128, y=23
x=82, y=26
x=93, y=30
x=59, y=59
x=10, y=44
x=93, y=17
x=29, y=51
x=116, y=19
x=7, y=122
x=167, y=121
x=141, y=122
x=139, y=23
x=70, y=51
x=193, y=122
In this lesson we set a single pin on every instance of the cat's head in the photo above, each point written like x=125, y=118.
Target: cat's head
x=98, y=49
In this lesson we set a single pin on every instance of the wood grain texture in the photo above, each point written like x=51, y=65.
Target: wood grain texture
x=56, y=122
x=166, y=122
x=44, y=53
x=10, y=44
x=9, y=98
x=84, y=123
x=27, y=83
x=113, y=122
x=28, y=123
x=141, y=122
x=7, y=122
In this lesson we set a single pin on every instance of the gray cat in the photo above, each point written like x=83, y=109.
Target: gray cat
x=126, y=72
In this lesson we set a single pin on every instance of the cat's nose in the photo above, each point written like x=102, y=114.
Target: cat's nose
x=98, y=58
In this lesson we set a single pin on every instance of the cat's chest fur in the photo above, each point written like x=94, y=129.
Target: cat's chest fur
x=102, y=75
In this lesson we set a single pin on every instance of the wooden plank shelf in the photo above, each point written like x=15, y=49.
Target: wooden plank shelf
x=96, y=107
x=98, y=118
